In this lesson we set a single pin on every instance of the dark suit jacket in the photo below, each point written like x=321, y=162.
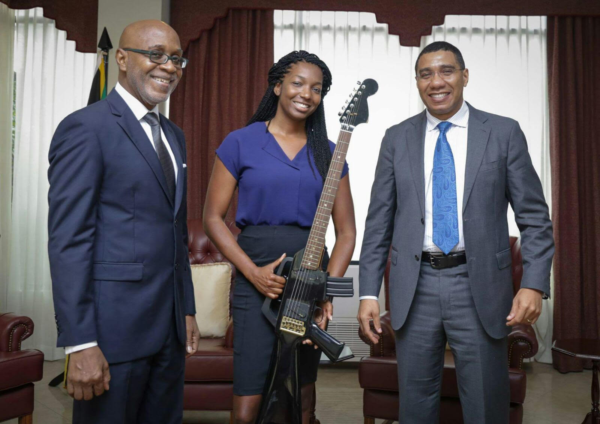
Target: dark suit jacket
x=498, y=172
x=117, y=244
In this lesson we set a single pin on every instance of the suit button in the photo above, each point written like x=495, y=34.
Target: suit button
x=176, y=223
x=422, y=221
x=417, y=258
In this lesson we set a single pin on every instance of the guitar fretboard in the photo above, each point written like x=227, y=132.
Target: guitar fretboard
x=316, y=240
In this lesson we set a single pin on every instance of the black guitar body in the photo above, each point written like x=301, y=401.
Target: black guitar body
x=282, y=402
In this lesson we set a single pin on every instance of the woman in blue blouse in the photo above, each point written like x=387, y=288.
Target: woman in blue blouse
x=278, y=162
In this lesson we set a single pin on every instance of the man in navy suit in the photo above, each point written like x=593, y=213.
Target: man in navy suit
x=122, y=285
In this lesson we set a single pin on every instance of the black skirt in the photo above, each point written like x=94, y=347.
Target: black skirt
x=253, y=335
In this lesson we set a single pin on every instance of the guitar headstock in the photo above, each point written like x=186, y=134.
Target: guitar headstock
x=356, y=109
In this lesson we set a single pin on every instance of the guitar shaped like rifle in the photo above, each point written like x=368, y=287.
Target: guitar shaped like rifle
x=292, y=314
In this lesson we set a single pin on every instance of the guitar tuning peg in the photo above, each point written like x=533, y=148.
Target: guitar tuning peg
x=350, y=96
x=340, y=114
x=355, y=99
x=363, y=87
x=359, y=93
x=357, y=82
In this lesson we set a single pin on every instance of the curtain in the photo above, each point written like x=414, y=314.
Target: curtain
x=7, y=30
x=52, y=80
x=506, y=57
x=220, y=90
x=573, y=44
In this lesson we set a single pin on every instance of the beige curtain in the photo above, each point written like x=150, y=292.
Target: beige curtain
x=52, y=81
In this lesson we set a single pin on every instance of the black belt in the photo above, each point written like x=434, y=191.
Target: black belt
x=441, y=261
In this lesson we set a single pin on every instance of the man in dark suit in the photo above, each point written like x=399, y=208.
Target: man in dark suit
x=123, y=293
x=443, y=183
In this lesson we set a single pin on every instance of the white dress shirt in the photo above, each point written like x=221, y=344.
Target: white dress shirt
x=457, y=138
x=139, y=111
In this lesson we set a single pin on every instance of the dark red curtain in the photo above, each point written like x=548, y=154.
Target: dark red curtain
x=79, y=18
x=574, y=94
x=220, y=90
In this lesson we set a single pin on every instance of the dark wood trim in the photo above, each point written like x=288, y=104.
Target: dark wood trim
x=407, y=18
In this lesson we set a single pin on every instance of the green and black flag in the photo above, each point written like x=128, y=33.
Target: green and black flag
x=100, y=83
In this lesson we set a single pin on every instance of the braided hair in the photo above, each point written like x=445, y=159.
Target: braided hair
x=316, y=131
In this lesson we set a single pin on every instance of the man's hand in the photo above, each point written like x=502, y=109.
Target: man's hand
x=87, y=374
x=193, y=335
x=369, y=310
x=527, y=307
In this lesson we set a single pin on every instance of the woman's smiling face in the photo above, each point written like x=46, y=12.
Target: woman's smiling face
x=300, y=91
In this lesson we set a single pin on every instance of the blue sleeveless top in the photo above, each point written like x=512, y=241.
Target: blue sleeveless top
x=273, y=190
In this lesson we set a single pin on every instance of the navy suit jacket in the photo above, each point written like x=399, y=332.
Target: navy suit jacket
x=117, y=243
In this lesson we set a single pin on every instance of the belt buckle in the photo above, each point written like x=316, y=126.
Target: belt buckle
x=435, y=262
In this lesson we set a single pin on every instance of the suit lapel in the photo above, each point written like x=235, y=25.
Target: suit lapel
x=477, y=139
x=136, y=134
x=172, y=140
x=416, y=150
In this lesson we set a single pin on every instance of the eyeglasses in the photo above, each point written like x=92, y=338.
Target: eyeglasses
x=162, y=58
x=444, y=73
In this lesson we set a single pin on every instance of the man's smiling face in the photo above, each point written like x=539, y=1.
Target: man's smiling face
x=149, y=82
x=440, y=81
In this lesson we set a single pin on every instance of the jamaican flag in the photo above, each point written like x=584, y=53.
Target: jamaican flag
x=100, y=83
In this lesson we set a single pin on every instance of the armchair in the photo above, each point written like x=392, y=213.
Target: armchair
x=19, y=369
x=209, y=372
x=378, y=372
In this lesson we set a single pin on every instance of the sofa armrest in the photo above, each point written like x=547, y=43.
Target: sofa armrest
x=13, y=330
x=20, y=368
x=387, y=339
x=522, y=343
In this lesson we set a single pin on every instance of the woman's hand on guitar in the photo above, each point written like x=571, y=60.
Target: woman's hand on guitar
x=323, y=315
x=266, y=281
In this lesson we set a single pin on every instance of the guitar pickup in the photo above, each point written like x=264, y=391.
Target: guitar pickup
x=340, y=287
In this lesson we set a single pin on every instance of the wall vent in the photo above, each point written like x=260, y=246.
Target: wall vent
x=346, y=330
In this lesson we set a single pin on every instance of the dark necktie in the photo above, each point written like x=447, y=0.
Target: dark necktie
x=163, y=154
x=445, y=214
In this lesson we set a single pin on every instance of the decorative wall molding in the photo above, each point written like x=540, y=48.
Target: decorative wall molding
x=79, y=18
x=409, y=19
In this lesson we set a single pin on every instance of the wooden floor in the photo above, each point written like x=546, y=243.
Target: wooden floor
x=552, y=398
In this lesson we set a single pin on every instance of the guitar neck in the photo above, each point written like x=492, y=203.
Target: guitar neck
x=316, y=240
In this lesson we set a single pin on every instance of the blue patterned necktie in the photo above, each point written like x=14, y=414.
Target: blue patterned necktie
x=445, y=215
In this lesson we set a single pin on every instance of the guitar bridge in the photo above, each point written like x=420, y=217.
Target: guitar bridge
x=293, y=326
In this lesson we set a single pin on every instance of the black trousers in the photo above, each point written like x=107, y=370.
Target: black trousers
x=253, y=335
x=144, y=391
